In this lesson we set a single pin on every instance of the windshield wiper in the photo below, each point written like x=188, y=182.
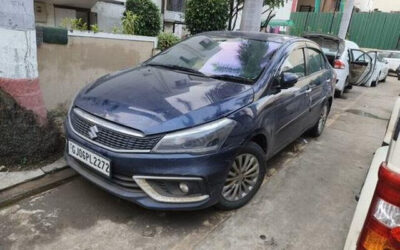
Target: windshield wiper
x=176, y=67
x=232, y=78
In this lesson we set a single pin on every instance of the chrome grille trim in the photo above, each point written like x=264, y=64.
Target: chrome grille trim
x=106, y=124
x=110, y=126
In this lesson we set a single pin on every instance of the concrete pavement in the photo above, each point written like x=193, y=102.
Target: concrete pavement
x=307, y=203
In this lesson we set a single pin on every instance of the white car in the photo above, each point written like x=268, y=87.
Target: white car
x=376, y=220
x=384, y=67
x=380, y=69
x=393, y=58
x=352, y=65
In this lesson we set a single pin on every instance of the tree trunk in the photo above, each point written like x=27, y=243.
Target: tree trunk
x=345, y=22
x=251, y=15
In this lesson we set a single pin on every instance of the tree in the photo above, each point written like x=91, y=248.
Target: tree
x=236, y=6
x=206, y=15
x=148, y=18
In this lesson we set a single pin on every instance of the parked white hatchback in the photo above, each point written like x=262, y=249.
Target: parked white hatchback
x=376, y=221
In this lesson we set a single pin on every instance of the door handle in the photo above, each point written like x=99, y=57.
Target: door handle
x=308, y=90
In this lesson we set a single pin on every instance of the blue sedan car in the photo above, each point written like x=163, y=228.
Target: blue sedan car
x=195, y=125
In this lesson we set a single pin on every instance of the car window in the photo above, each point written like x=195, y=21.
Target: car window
x=295, y=63
x=395, y=55
x=315, y=61
x=358, y=56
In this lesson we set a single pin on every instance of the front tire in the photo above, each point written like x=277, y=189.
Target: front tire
x=319, y=127
x=244, y=177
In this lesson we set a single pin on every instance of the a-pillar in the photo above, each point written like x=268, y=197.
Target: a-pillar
x=18, y=56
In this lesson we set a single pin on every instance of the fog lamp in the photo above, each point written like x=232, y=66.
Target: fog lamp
x=184, y=187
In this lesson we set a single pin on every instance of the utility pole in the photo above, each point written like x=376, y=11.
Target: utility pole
x=251, y=15
x=345, y=22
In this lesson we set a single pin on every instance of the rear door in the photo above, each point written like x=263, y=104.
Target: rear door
x=361, y=66
x=319, y=76
x=292, y=104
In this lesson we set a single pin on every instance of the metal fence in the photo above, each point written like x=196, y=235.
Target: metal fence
x=369, y=30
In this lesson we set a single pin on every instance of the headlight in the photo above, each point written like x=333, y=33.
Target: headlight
x=198, y=140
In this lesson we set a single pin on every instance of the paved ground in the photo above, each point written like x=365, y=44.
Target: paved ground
x=307, y=203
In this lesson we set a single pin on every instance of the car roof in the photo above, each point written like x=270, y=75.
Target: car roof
x=254, y=36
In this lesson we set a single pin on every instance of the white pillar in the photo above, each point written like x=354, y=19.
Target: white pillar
x=251, y=15
x=345, y=22
x=18, y=55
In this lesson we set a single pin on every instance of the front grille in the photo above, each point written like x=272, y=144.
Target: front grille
x=112, y=138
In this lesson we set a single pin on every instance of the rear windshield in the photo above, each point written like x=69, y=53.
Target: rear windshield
x=329, y=47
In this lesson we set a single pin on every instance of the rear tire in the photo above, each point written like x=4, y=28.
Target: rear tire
x=319, y=127
x=244, y=177
x=374, y=84
x=339, y=93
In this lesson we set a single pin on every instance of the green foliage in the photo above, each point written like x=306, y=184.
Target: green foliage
x=148, y=19
x=116, y=30
x=206, y=15
x=94, y=28
x=166, y=40
x=129, y=23
x=74, y=24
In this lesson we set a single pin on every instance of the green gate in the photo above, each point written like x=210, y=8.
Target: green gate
x=369, y=30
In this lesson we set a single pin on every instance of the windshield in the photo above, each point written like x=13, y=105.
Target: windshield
x=329, y=47
x=395, y=55
x=235, y=58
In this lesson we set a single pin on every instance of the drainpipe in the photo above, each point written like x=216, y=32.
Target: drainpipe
x=317, y=6
x=19, y=75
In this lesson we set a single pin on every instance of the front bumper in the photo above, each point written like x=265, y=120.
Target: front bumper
x=211, y=169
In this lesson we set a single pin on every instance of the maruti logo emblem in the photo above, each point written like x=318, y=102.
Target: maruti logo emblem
x=93, y=132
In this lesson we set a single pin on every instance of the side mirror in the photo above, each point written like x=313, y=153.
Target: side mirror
x=288, y=80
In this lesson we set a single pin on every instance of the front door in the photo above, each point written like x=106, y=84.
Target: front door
x=292, y=104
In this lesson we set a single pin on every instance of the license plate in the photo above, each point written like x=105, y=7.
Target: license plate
x=91, y=159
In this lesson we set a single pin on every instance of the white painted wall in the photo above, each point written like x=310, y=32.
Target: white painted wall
x=108, y=15
x=366, y=5
x=386, y=5
x=282, y=13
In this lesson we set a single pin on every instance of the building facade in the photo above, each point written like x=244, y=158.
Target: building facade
x=106, y=14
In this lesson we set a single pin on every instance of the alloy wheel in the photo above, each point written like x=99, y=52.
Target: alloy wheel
x=322, y=119
x=242, y=177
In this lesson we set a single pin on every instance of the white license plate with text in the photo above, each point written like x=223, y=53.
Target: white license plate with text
x=91, y=159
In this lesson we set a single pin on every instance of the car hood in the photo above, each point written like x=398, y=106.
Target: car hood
x=155, y=100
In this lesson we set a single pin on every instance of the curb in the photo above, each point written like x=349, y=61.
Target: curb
x=15, y=186
x=11, y=179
